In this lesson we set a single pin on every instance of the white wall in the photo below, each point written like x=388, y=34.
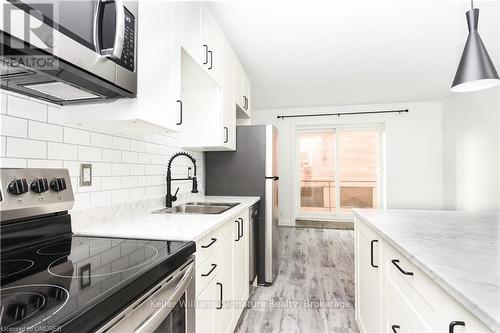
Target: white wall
x=471, y=123
x=124, y=168
x=414, y=151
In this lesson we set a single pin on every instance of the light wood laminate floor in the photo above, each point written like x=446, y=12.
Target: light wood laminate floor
x=317, y=266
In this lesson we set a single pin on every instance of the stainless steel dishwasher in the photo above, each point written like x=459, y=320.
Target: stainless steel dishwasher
x=254, y=220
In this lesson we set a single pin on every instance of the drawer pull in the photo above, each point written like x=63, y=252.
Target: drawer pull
x=210, y=271
x=395, y=328
x=209, y=244
x=371, y=253
x=455, y=323
x=395, y=263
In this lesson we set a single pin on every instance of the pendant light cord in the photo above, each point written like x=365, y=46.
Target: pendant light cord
x=471, y=4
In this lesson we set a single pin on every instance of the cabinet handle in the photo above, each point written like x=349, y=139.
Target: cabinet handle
x=241, y=220
x=238, y=223
x=395, y=328
x=226, y=133
x=213, y=240
x=245, y=102
x=211, y=59
x=395, y=263
x=206, y=54
x=220, y=306
x=371, y=253
x=455, y=323
x=180, y=112
x=210, y=271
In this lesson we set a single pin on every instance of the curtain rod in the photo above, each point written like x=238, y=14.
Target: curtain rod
x=341, y=114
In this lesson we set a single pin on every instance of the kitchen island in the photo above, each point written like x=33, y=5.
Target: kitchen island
x=442, y=265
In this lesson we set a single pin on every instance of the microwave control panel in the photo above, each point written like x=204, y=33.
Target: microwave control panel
x=128, y=53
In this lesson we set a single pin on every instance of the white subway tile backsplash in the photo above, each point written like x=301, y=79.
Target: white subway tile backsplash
x=45, y=131
x=3, y=103
x=101, y=140
x=62, y=151
x=111, y=183
x=45, y=164
x=124, y=168
x=13, y=126
x=101, y=169
x=24, y=108
x=76, y=136
x=13, y=162
x=121, y=143
x=129, y=181
x=89, y=154
x=55, y=115
x=3, y=145
x=137, y=146
x=129, y=157
x=137, y=193
x=82, y=200
x=24, y=148
x=100, y=198
x=120, y=169
x=136, y=169
x=111, y=155
x=118, y=196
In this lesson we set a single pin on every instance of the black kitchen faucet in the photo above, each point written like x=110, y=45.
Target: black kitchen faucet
x=171, y=198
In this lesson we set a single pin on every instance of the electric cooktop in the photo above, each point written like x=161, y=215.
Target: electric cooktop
x=48, y=285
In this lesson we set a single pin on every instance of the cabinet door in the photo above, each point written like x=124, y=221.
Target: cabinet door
x=238, y=83
x=225, y=280
x=211, y=36
x=206, y=315
x=229, y=108
x=368, y=279
x=191, y=29
x=241, y=265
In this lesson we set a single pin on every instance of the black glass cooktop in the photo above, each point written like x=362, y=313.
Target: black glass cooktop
x=80, y=282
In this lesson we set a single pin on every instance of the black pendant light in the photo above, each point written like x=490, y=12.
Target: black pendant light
x=476, y=70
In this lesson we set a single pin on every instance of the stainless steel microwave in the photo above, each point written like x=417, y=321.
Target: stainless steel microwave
x=69, y=51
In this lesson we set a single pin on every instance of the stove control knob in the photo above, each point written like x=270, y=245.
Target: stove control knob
x=18, y=187
x=58, y=184
x=40, y=185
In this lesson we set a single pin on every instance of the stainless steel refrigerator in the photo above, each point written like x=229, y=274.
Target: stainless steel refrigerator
x=252, y=170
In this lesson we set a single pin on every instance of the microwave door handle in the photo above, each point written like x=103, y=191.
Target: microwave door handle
x=119, y=29
x=155, y=319
x=95, y=28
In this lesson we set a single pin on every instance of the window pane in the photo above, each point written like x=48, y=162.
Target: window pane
x=317, y=171
x=358, y=169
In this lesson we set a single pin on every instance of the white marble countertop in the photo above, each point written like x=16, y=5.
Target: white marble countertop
x=458, y=250
x=140, y=223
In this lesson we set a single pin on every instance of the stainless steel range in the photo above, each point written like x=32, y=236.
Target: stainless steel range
x=52, y=280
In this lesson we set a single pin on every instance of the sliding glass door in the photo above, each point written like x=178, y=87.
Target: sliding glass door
x=337, y=169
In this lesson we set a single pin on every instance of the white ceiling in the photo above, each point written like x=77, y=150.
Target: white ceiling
x=318, y=53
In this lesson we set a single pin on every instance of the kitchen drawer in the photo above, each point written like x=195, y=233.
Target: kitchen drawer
x=207, y=270
x=207, y=246
x=401, y=312
x=434, y=305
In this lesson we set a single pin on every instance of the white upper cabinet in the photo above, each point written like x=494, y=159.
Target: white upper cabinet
x=201, y=37
x=156, y=107
x=242, y=90
x=211, y=37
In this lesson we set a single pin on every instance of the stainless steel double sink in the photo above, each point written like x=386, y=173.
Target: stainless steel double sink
x=198, y=208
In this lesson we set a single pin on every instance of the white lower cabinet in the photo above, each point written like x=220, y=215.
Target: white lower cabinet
x=396, y=296
x=222, y=283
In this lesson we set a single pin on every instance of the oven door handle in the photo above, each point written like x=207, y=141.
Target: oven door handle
x=156, y=318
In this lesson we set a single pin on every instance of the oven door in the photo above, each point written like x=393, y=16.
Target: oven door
x=168, y=307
